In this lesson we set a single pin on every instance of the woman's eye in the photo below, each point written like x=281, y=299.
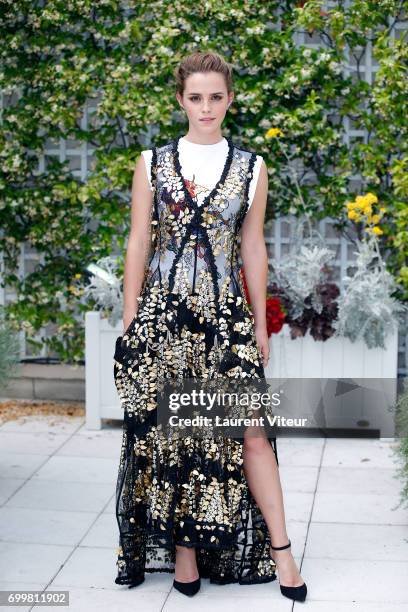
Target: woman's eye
x=194, y=98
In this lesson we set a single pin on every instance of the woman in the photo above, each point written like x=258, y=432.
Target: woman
x=198, y=507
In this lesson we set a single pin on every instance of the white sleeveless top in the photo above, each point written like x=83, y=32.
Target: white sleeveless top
x=202, y=165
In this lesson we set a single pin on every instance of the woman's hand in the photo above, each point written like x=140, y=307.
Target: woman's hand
x=262, y=340
x=127, y=319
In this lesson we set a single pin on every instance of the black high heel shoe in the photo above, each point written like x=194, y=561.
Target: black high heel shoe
x=188, y=588
x=297, y=593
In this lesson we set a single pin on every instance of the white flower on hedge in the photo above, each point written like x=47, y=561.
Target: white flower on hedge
x=335, y=67
x=305, y=72
x=293, y=78
x=324, y=56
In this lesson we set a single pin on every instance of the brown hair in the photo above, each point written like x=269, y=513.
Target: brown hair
x=202, y=62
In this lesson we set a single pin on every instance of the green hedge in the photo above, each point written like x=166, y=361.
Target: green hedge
x=120, y=57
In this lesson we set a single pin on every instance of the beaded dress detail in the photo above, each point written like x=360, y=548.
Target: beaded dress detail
x=193, y=320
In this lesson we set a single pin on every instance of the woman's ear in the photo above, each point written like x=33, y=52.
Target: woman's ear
x=179, y=100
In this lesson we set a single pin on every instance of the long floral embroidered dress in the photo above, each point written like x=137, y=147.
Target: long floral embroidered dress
x=193, y=320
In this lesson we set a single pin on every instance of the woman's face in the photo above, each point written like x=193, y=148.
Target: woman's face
x=205, y=97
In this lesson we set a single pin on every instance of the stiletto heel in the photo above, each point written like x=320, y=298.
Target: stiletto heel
x=297, y=593
x=188, y=588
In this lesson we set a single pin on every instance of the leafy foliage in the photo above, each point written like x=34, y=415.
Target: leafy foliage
x=118, y=58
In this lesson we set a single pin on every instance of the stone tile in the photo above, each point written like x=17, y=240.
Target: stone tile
x=301, y=479
x=110, y=508
x=69, y=496
x=23, y=562
x=303, y=452
x=31, y=443
x=359, y=508
x=79, y=469
x=359, y=453
x=20, y=465
x=357, y=542
x=8, y=486
x=361, y=581
x=298, y=506
x=103, y=533
x=92, y=444
x=109, y=432
x=359, y=480
x=43, y=526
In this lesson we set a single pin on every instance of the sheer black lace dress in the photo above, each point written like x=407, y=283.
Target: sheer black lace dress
x=193, y=320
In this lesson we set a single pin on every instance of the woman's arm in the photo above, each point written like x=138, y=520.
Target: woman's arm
x=255, y=259
x=139, y=241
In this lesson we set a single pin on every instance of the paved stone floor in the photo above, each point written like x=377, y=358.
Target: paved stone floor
x=58, y=530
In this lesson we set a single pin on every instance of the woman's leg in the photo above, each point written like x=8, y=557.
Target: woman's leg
x=186, y=564
x=262, y=474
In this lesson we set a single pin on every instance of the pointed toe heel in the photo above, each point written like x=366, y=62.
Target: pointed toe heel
x=297, y=593
x=188, y=588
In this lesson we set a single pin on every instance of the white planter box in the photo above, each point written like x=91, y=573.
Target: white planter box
x=350, y=403
x=101, y=398
x=337, y=357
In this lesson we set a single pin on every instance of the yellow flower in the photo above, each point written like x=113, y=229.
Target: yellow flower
x=360, y=201
x=371, y=198
x=273, y=132
x=375, y=218
x=383, y=209
x=352, y=214
x=377, y=230
x=78, y=275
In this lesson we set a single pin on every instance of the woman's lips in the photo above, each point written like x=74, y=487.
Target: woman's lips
x=205, y=120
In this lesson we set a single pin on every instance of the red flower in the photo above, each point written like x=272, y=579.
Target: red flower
x=275, y=315
x=275, y=312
